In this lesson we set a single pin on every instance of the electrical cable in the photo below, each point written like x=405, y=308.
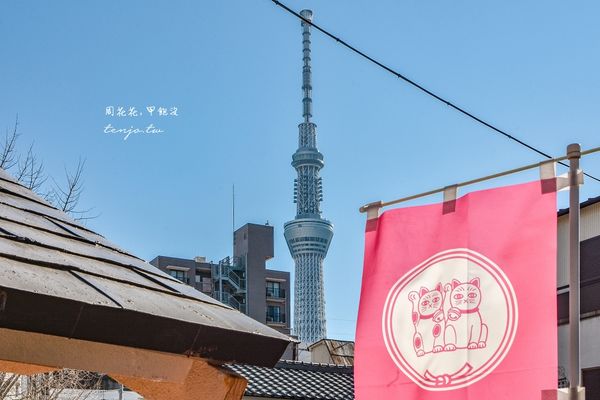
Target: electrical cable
x=418, y=86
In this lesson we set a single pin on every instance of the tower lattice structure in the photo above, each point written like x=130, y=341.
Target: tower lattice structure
x=308, y=235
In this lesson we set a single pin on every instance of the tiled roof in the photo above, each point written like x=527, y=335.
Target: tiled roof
x=298, y=380
x=60, y=278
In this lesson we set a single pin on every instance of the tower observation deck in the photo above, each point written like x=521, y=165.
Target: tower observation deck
x=308, y=235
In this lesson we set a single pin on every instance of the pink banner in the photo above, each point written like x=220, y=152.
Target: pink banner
x=458, y=300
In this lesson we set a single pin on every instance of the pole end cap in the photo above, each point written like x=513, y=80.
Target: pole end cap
x=574, y=150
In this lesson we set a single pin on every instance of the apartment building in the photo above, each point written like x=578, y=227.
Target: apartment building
x=242, y=281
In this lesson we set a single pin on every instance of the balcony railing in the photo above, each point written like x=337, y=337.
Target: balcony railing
x=230, y=300
x=276, y=293
x=230, y=273
x=276, y=318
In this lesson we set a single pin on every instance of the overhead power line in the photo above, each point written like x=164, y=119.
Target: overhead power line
x=420, y=87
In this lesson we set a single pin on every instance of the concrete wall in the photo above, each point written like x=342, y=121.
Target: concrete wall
x=254, y=245
x=589, y=343
x=320, y=353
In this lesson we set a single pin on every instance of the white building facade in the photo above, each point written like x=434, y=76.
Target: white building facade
x=589, y=294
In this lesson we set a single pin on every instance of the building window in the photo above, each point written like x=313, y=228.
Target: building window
x=274, y=289
x=274, y=315
x=181, y=275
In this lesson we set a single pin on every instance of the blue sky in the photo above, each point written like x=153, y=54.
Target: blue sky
x=233, y=70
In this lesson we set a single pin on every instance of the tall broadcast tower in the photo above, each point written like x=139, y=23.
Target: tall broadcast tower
x=308, y=236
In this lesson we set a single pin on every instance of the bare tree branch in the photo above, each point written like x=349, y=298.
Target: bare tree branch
x=66, y=198
x=7, y=382
x=30, y=172
x=8, y=158
x=66, y=383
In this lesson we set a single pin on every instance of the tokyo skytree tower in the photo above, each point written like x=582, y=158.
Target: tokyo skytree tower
x=308, y=235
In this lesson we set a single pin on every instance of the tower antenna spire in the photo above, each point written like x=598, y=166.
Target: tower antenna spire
x=306, y=71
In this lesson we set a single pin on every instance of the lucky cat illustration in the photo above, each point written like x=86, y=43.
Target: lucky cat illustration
x=428, y=319
x=464, y=326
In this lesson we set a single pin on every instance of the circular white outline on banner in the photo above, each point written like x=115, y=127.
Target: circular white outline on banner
x=502, y=349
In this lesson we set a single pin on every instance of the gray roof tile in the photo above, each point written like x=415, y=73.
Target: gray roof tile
x=298, y=380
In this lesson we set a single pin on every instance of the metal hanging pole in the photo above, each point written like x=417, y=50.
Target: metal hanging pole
x=574, y=154
x=375, y=206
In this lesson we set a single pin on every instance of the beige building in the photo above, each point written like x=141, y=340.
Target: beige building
x=330, y=351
